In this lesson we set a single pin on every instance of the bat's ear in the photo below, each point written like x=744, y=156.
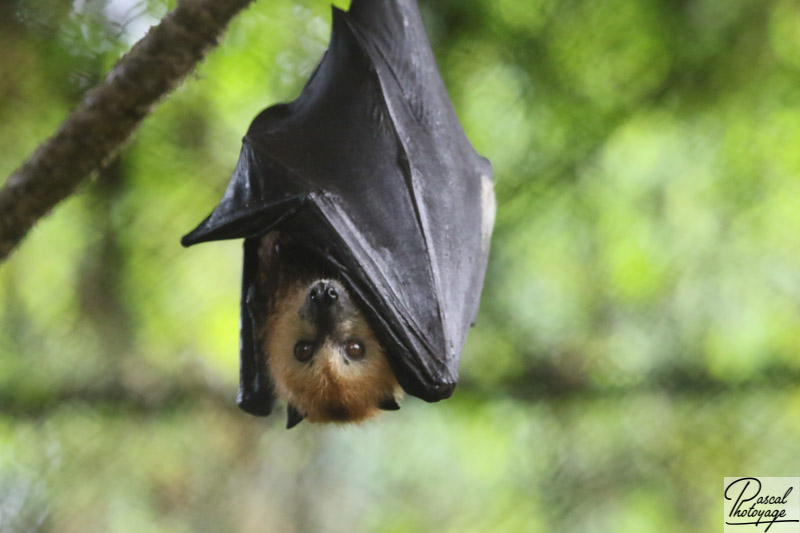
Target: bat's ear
x=389, y=404
x=293, y=416
x=256, y=391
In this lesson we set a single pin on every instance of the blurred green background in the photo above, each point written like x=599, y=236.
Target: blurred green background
x=639, y=335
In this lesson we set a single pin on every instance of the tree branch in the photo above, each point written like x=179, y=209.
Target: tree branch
x=109, y=113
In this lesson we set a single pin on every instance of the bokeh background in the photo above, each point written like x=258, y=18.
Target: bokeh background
x=639, y=335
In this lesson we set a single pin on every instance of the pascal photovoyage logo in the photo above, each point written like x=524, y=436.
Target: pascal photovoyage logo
x=762, y=504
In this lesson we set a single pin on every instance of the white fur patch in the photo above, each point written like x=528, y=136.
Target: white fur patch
x=488, y=212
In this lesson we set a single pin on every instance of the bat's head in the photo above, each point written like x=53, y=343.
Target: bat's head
x=324, y=358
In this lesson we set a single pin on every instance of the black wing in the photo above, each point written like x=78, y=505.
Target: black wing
x=372, y=168
x=256, y=391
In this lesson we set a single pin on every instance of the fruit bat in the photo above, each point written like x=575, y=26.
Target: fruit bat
x=366, y=184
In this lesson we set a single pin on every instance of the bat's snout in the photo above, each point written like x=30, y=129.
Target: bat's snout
x=324, y=294
x=326, y=305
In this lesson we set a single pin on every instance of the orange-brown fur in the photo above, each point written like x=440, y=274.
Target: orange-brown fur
x=327, y=389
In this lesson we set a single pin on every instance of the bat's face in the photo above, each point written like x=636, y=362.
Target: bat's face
x=323, y=356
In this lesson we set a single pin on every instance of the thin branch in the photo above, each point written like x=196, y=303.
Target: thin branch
x=94, y=132
x=116, y=397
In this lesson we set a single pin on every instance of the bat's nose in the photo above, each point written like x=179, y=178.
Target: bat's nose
x=323, y=294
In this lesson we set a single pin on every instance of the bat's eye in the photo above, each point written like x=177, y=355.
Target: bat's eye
x=303, y=351
x=354, y=350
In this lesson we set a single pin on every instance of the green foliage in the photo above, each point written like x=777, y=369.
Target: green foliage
x=639, y=332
